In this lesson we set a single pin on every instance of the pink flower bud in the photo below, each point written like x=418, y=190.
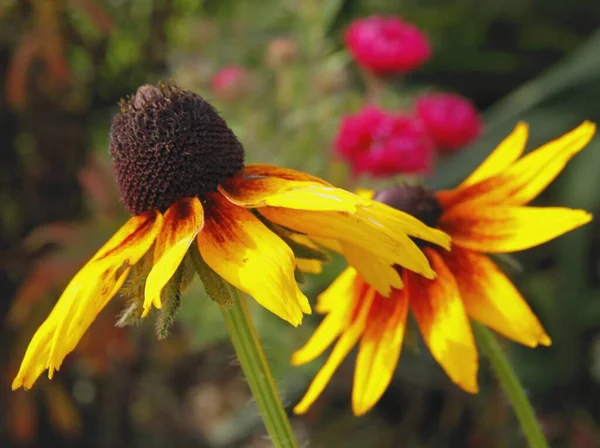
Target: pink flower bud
x=387, y=45
x=281, y=52
x=452, y=121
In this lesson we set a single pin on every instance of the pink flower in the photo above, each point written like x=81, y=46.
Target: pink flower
x=452, y=121
x=230, y=82
x=382, y=144
x=387, y=45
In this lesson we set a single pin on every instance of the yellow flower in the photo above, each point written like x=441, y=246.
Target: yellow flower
x=487, y=213
x=181, y=173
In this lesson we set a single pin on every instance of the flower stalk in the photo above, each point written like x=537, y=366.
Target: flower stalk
x=512, y=386
x=257, y=372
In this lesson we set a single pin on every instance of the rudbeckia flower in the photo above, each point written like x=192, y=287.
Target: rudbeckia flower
x=486, y=214
x=180, y=172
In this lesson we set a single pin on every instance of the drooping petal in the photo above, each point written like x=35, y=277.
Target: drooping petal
x=379, y=350
x=252, y=192
x=266, y=170
x=344, y=345
x=442, y=319
x=505, y=154
x=490, y=298
x=529, y=176
x=340, y=292
x=332, y=245
x=388, y=217
x=500, y=229
x=336, y=321
x=392, y=245
x=182, y=222
x=242, y=250
x=85, y=296
x=379, y=274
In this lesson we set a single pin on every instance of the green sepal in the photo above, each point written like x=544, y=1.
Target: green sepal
x=133, y=292
x=171, y=295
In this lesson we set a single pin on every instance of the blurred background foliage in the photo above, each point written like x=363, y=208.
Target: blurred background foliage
x=64, y=64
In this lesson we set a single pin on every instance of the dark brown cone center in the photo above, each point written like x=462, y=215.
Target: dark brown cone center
x=168, y=144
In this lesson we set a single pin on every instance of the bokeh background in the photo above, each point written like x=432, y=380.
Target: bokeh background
x=64, y=64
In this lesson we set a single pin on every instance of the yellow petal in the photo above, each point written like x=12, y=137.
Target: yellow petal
x=364, y=193
x=183, y=220
x=309, y=266
x=332, y=245
x=388, y=217
x=379, y=350
x=505, y=154
x=345, y=343
x=330, y=328
x=529, y=176
x=252, y=192
x=442, y=319
x=392, y=245
x=242, y=250
x=499, y=229
x=85, y=296
x=266, y=170
x=340, y=292
x=382, y=276
x=490, y=298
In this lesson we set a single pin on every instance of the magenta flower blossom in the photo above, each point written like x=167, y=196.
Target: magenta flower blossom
x=387, y=45
x=452, y=121
x=382, y=144
x=230, y=82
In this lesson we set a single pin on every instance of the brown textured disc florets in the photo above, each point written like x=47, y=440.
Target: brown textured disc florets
x=168, y=144
x=414, y=200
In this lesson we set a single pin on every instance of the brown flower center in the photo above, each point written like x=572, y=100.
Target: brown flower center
x=168, y=144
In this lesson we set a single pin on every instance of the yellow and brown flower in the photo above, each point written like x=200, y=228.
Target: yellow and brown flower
x=486, y=214
x=180, y=171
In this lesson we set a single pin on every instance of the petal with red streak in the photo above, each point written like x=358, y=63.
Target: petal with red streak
x=490, y=298
x=182, y=222
x=85, y=296
x=498, y=229
x=242, y=250
x=441, y=317
x=379, y=350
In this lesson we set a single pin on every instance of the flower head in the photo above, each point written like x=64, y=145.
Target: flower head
x=387, y=45
x=180, y=172
x=451, y=120
x=281, y=52
x=486, y=214
x=383, y=144
x=229, y=82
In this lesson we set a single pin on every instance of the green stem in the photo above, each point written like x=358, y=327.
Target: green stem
x=512, y=387
x=256, y=370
